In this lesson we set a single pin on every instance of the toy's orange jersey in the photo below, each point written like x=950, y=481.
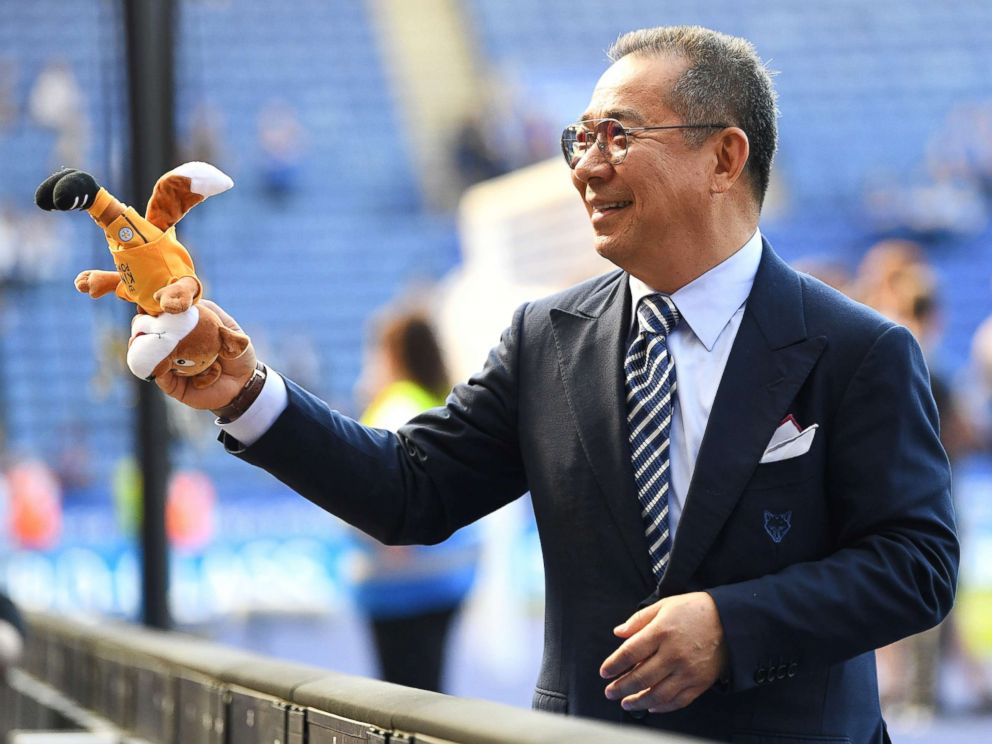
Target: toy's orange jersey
x=147, y=259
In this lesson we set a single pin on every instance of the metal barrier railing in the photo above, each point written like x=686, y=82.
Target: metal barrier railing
x=169, y=688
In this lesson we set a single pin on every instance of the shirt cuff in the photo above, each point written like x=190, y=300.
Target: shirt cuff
x=249, y=427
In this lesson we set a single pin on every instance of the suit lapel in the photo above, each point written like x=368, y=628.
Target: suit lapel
x=770, y=359
x=591, y=347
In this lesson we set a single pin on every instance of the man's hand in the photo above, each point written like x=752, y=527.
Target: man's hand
x=673, y=652
x=234, y=374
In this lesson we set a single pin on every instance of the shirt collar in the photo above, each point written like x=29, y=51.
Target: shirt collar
x=708, y=302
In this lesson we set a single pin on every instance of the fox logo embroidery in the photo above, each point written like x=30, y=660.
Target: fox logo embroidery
x=777, y=525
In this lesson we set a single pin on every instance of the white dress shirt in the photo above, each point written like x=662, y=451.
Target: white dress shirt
x=270, y=403
x=711, y=307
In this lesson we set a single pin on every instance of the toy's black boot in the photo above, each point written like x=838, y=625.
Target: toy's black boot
x=68, y=189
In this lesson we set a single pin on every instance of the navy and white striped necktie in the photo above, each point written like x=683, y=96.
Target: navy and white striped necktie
x=650, y=375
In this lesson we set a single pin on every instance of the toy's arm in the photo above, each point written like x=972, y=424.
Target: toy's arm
x=178, y=296
x=97, y=283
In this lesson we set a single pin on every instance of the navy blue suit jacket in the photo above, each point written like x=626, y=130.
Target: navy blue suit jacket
x=860, y=548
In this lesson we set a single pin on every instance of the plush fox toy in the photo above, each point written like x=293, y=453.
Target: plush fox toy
x=154, y=270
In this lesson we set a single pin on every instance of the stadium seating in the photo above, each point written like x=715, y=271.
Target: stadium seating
x=350, y=237
x=862, y=86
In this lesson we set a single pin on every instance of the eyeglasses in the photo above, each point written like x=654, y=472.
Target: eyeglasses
x=610, y=136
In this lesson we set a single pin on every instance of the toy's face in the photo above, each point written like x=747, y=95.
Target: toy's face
x=186, y=344
x=186, y=365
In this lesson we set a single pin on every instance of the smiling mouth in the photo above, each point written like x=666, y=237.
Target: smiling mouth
x=611, y=207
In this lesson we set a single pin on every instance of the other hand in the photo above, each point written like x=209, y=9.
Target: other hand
x=233, y=375
x=674, y=650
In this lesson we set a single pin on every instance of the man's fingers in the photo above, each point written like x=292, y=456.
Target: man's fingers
x=672, y=694
x=225, y=318
x=640, y=679
x=167, y=382
x=663, y=695
x=636, y=649
x=637, y=621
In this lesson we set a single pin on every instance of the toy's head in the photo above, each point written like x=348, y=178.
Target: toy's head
x=188, y=343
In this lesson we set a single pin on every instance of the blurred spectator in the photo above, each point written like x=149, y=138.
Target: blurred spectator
x=961, y=149
x=204, y=140
x=475, y=157
x=35, y=505
x=281, y=142
x=951, y=195
x=9, y=248
x=411, y=595
x=539, y=136
x=830, y=272
x=976, y=384
x=934, y=209
x=11, y=633
x=56, y=102
x=298, y=353
x=505, y=131
x=32, y=248
x=895, y=279
x=8, y=86
x=879, y=282
x=74, y=460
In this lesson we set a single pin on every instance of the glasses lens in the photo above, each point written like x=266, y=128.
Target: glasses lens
x=607, y=134
x=613, y=140
x=574, y=143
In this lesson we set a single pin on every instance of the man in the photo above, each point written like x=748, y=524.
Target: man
x=735, y=470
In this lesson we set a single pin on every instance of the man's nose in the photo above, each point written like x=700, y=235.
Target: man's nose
x=592, y=164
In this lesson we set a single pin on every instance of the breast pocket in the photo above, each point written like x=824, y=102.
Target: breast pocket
x=791, y=472
x=780, y=518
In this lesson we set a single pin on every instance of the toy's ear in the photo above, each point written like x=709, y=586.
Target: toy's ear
x=232, y=343
x=181, y=189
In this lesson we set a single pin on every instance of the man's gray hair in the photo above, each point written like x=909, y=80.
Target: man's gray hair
x=725, y=82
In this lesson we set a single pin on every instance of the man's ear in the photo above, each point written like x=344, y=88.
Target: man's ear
x=731, y=149
x=232, y=343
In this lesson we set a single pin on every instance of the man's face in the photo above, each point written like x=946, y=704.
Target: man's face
x=642, y=207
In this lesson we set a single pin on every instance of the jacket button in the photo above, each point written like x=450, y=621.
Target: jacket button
x=793, y=668
x=759, y=676
x=780, y=672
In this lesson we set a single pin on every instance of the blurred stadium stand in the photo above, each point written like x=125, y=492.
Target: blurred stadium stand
x=349, y=238
x=862, y=87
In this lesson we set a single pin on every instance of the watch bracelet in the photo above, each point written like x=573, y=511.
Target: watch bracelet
x=245, y=397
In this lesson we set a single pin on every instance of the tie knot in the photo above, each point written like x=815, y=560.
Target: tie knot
x=657, y=314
